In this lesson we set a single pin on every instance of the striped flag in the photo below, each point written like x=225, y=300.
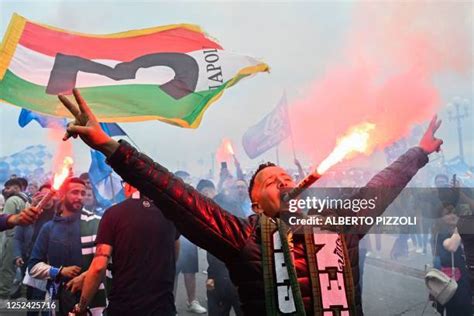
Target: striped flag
x=171, y=73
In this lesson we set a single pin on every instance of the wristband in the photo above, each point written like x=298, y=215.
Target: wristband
x=54, y=272
x=58, y=276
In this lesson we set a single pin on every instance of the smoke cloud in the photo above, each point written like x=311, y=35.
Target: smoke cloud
x=385, y=75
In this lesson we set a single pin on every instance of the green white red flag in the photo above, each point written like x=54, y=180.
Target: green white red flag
x=171, y=73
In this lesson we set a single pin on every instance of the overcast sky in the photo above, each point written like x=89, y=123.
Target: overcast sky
x=298, y=41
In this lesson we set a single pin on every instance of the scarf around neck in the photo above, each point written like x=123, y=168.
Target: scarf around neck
x=328, y=266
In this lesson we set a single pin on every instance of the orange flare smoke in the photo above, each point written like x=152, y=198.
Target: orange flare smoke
x=60, y=176
x=225, y=151
x=356, y=141
x=229, y=148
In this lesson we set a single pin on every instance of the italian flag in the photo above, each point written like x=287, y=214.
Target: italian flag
x=170, y=73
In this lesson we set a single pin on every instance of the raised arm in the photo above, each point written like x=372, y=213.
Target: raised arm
x=198, y=218
x=388, y=183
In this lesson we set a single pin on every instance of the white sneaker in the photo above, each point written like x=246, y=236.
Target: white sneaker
x=196, y=308
x=419, y=250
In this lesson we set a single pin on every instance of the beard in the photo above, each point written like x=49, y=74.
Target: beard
x=74, y=207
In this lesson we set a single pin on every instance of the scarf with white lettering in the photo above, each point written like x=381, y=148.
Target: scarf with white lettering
x=329, y=268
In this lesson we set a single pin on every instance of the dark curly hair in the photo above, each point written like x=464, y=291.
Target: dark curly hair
x=13, y=181
x=260, y=168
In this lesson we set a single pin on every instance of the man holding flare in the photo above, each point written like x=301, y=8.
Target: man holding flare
x=276, y=274
x=26, y=217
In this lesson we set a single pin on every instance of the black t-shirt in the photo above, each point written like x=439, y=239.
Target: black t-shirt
x=143, y=258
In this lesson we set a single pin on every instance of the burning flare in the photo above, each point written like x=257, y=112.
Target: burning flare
x=60, y=176
x=225, y=151
x=57, y=182
x=357, y=140
x=229, y=148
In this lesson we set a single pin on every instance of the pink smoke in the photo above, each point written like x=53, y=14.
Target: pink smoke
x=224, y=152
x=63, y=149
x=385, y=75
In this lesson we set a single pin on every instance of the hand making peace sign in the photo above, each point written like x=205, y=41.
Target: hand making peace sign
x=86, y=126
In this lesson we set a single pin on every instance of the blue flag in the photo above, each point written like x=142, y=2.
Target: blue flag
x=26, y=116
x=106, y=184
x=269, y=132
x=113, y=129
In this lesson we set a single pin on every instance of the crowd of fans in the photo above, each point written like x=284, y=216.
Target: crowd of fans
x=436, y=236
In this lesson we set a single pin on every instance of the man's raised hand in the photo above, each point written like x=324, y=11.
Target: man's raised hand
x=429, y=143
x=86, y=126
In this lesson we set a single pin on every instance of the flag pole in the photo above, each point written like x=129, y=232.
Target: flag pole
x=277, y=155
x=289, y=125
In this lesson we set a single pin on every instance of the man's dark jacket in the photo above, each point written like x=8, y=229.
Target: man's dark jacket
x=236, y=241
